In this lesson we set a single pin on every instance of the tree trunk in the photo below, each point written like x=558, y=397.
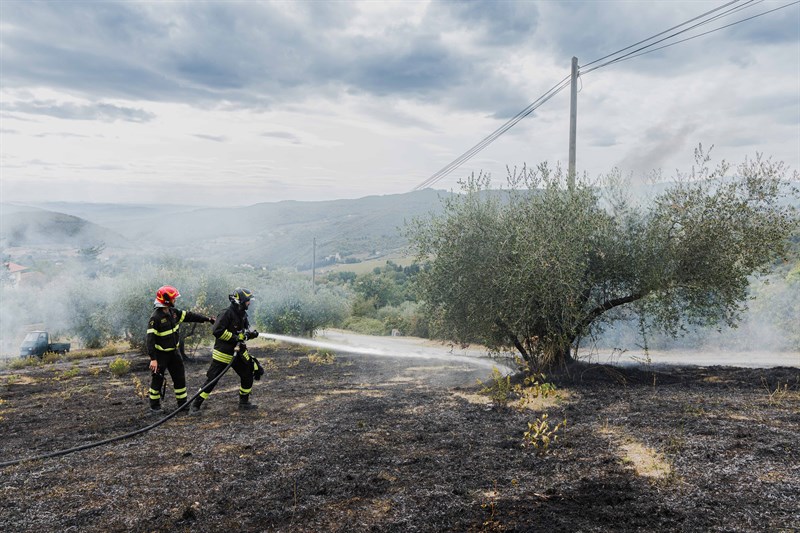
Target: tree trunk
x=555, y=356
x=517, y=344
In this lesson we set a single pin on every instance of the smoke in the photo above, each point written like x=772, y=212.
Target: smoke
x=659, y=144
x=769, y=324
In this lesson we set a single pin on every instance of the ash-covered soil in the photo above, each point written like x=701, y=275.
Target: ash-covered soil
x=382, y=444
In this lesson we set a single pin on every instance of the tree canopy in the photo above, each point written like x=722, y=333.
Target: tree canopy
x=540, y=265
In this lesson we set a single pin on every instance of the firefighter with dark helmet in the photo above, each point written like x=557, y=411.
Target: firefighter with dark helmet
x=232, y=330
x=162, y=345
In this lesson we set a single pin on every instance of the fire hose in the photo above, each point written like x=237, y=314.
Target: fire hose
x=185, y=406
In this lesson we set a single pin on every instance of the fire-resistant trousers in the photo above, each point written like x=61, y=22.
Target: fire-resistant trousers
x=241, y=366
x=173, y=363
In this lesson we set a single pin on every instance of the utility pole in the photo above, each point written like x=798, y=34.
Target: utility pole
x=573, y=123
x=314, y=268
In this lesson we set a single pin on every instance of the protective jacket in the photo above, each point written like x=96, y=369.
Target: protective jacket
x=162, y=330
x=229, y=328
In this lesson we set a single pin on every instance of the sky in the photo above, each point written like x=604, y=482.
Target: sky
x=236, y=103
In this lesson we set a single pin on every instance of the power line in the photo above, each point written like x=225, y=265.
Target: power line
x=726, y=9
x=619, y=60
x=486, y=141
x=641, y=51
x=659, y=34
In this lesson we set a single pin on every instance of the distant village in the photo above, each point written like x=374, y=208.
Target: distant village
x=20, y=275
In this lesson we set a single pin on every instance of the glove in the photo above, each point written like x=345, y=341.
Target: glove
x=241, y=337
x=258, y=370
x=252, y=334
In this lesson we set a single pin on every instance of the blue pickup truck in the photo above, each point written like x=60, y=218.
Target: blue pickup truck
x=38, y=343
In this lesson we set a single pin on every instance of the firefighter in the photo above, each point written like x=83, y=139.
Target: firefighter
x=162, y=345
x=232, y=330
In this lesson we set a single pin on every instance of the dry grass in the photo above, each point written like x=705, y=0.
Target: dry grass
x=645, y=461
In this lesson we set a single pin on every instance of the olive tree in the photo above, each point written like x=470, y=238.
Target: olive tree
x=540, y=265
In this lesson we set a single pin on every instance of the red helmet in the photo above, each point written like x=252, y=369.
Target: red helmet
x=167, y=295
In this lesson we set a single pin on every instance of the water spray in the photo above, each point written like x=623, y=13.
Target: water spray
x=476, y=361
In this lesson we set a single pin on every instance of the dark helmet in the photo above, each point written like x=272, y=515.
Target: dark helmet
x=241, y=296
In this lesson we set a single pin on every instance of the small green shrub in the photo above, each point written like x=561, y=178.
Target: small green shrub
x=106, y=351
x=71, y=373
x=321, y=357
x=538, y=386
x=119, y=366
x=50, y=357
x=534, y=386
x=541, y=434
x=24, y=362
x=499, y=389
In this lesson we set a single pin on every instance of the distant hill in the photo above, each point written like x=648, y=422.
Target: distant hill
x=278, y=233
x=273, y=234
x=25, y=227
x=283, y=233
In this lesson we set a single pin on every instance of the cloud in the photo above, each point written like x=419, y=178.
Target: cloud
x=282, y=135
x=497, y=23
x=215, y=138
x=62, y=134
x=72, y=111
x=252, y=55
x=376, y=93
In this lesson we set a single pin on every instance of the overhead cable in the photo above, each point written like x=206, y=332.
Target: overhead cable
x=661, y=33
x=696, y=36
x=644, y=49
x=494, y=135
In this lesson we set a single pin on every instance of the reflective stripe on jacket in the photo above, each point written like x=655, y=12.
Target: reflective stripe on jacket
x=229, y=329
x=163, y=329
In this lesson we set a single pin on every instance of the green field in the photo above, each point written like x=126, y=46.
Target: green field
x=369, y=265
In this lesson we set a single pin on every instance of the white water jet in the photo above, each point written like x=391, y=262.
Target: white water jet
x=476, y=361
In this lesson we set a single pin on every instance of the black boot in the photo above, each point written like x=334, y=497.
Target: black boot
x=155, y=407
x=244, y=403
x=182, y=405
x=195, y=409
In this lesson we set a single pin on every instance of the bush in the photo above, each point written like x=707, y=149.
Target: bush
x=365, y=325
x=499, y=390
x=292, y=309
x=119, y=366
x=50, y=357
x=407, y=317
x=24, y=362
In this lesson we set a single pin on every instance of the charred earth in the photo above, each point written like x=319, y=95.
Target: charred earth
x=353, y=443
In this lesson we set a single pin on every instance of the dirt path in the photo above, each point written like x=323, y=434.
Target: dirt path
x=397, y=444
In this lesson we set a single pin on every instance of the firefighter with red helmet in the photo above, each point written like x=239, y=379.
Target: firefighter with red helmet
x=232, y=330
x=162, y=345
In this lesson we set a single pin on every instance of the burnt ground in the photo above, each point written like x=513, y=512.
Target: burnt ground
x=379, y=444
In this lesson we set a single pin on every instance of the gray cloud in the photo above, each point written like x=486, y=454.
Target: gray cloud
x=251, y=55
x=606, y=27
x=284, y=135
x=69, y=111
x=497, y=22
x=62, y=134
x=215, y=138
